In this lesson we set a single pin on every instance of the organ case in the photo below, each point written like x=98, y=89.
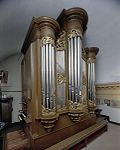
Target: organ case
x=54, y=78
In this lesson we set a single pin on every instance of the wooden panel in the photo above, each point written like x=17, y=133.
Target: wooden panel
x=6, y=108
x=45, y=141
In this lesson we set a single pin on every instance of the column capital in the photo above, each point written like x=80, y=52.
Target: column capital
x=91, y=53
x=73, y=19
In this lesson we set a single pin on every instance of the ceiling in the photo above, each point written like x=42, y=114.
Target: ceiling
x=15, y=17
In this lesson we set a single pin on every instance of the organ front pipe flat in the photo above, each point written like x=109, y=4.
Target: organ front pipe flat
x=91, y=57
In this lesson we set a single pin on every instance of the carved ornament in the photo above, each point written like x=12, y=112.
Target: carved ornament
x=60, y=79
x=91, y=106
x=47, y=40
x=49, y=117
x=61, y=41
x=74, y=33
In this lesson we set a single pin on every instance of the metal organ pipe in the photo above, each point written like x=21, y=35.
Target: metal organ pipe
x=72, y=69
x=91, y=56
x=48, y=75
x=75, y=70
x=53, y=77
x=75, y=65
x=79, y=66
x=69, y=65
x=89, y=81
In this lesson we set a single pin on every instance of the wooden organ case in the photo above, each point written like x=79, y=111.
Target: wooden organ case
x=55, y=79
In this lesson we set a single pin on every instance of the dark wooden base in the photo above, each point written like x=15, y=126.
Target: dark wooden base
x=60, y=134
x=62, y=138
x=89, y=139
x=82, y=138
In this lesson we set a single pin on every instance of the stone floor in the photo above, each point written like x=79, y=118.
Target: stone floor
x=109, y=140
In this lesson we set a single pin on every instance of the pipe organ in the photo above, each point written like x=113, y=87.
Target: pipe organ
x=58, y=78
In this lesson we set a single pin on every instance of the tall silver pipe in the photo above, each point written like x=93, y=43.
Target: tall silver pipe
x=78, y=46
x=45, y=86
x=50, y=73
x=80, y=67
x=93, y=81
x=70, y=71
x=91, y=56
x=47, y=76
x=76, y=68
x=89, y=81
x=72, y=68
x=53, y=76
x=43, y=73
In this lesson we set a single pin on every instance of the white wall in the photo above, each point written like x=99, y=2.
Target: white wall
x=104, y=32
x=13, y=66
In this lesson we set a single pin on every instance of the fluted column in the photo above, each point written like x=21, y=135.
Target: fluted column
x=91, y=59
x=74, y=21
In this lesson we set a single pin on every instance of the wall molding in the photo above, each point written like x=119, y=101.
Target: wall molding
x=108, y=93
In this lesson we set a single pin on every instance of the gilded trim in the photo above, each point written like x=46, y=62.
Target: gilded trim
x=61, y=41
x=47, y=40
x=74, y=33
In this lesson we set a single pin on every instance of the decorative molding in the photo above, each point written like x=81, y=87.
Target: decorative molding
x=74, y=33
x=47, y=40
x=61, y=44
x=91, y=106
x=76, y=110
x=73, y=18
x=49, y=122
x=110, y=85
x=60, y=79
x=108, y=92
x=35, y=31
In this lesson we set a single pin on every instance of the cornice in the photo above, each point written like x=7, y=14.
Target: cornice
x=111, y=85
x=34, y=29
x=75, y=13
x=91, y=50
